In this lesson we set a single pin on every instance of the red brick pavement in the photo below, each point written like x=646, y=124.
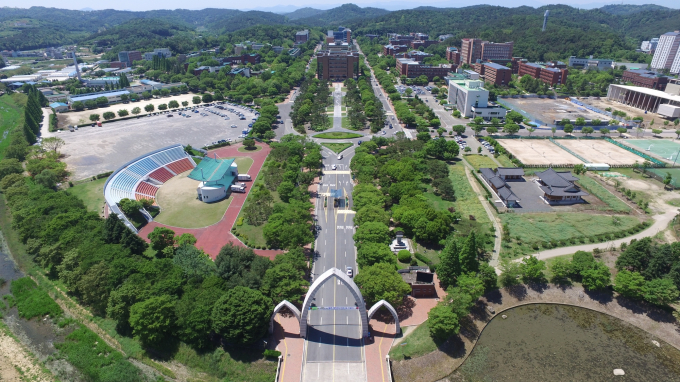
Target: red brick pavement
x=287, y=340
x=413, y=312
x=214, y=237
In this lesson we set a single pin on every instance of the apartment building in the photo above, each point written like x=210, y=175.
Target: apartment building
x=666, y=54
x=473, y=49
x=337, y=65
x=645, y=78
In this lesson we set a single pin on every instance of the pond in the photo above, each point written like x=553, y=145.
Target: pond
x=546, y=342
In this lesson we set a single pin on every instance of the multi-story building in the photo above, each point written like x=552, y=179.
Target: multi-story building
x=415, y=55
x=443, y=37
x=342, y=34
x=302, y=36
x=496, y=74
x=411, y=69
x=551, y=73
x=392, y=50
x=645, y=78
x=117, y=64
x=337, y=65
x=591, y=63
x=453, y=55
x=415, y=44
x=129, y=57
x=666, y=55
x=472, y=100
x=649, y=46
x=473, y=49
x=160, y=52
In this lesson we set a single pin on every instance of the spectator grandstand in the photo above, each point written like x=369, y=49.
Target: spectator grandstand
x=140, y=178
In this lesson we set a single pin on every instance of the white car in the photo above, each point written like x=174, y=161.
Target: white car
x=334, y=167
x=349, y=272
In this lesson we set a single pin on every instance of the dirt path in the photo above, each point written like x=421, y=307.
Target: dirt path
x=16, y=363
x=444, y=361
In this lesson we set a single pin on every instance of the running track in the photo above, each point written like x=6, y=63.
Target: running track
x=214, y=237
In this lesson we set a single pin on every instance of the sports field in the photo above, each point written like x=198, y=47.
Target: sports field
x=180, y=206
x=538, y=152
x=663, y=148
x=600, y=151
x=675, y=174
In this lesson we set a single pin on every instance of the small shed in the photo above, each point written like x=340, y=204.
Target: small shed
x=59, y=107
x=597, y=167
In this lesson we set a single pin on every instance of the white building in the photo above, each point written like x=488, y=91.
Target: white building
x=472, y=100
x=111, y=96
x=591, y=63
x=161, y=52
x=666, y=54
x=648, y=46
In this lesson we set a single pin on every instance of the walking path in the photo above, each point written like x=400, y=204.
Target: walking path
x=287, y=340
x=485, y=203
x=444, y=361
x=212, y=238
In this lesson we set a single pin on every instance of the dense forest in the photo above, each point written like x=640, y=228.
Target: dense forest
x=612, y=31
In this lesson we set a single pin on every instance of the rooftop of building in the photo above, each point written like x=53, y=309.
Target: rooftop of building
x=644, y=73
x=211, y=169
x=419, y=275
x=85, y=97
x=496, y=66
x=469, y=84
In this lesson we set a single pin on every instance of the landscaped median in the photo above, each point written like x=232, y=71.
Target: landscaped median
x=337, y=135
x=337, y=147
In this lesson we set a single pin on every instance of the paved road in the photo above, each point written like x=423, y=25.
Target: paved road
x=334, y=346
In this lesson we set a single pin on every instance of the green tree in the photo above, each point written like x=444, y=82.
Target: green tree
x=580, y=169
x=94, y=117
x=372, y=232
x=621, y=130
x=47, y=178
x=561, y=270
x=207, y=98
x=510, y=128
x=161, y=238
x=604, y=131
x=532, y=269
x=568, y=128
x=514, y=117
x=249, y=144
x=596, y=278
x=372, y=253
x=149, y=108
x=196, y=100
x=587, y=130
x=449, y=267
x=381, y=282
x=660, y=291
x=488, y=275
x=109, y=115
x=468, y=254
x=629, y=284
x=78, y=106
x=284, y=282
x=194, y=311
x=241, y=315
x=173, y=104
x=153, y=319
x=123, y=113
x=510, y=273
x=442, y=323
x=185, y=103
x=285, y=190
x=582, y=261
x=163, y=106
x=491, y=130
x=136, y=110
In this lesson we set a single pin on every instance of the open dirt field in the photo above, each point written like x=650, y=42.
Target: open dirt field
x=80, y=117
x=181, y=208
x=538, y=152
x=17, y=364
x=600, y=151
x=604, y=103
x=548, y=110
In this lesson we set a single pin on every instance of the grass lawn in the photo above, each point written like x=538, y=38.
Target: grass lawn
x=528, y=231
x=180, y=206
x=91, y=193
x=250, y=234
x=595, y=188
x=11, y=115
x=415, y=344
x=243, y=164
x=338, y=135
x=337, y=147
x=244, y=149
x=505, y=161
x=478, y=161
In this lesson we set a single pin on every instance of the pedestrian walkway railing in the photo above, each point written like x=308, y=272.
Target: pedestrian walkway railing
x=278, y=369
x=656, y=162
x=582, y=159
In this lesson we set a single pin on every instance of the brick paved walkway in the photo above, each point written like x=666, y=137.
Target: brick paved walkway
x=287, y=340
x=212, y=238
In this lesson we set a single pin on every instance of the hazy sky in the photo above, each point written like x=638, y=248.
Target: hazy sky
x=283, y=5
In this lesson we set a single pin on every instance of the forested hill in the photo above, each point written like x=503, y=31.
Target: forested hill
x=342, y=14
x=570, y=31
x=144, y=35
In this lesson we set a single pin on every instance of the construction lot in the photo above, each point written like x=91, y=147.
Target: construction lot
x=548, y=110
x=600, y=151
x=603, y=103
x=538, y=152
x=94, y=150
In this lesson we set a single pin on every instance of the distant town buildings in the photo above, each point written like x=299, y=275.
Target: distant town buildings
x=302, y=36
x=412, y=69
x=591, y=63
x=474, y=49
x=553, y=73
x=472, y=100
x=666, y=54
x=337, y=65
x=645, y=78
x=443, y=37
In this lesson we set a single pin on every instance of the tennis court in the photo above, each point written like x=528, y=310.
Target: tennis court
x=663, y=148
x=675, y=173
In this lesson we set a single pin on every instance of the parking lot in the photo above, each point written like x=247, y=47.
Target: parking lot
x=93, y=150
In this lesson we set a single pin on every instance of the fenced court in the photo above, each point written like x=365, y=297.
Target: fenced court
x=600, y=151
x=538, y=152
x=663, y=148
x=660, y=175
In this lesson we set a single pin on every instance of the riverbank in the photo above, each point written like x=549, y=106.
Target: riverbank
x=444, y=361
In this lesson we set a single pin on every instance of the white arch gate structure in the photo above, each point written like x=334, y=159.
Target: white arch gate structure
x=318, y=283
x=389, y=307
x=282, y=304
